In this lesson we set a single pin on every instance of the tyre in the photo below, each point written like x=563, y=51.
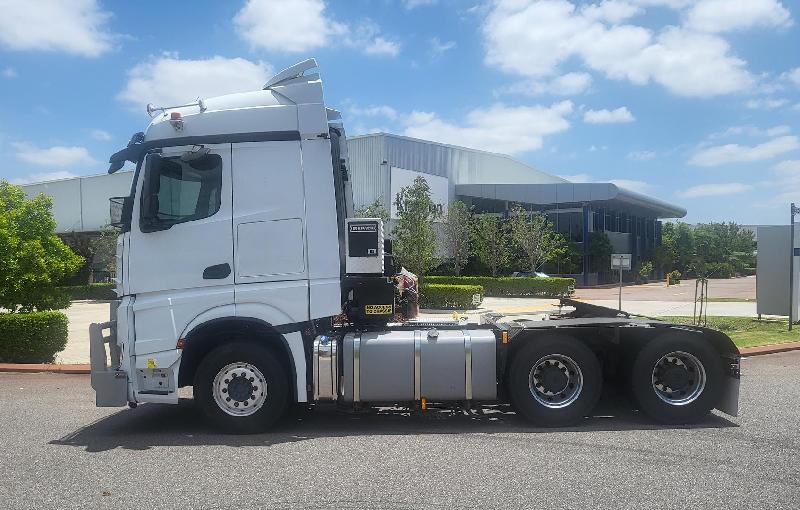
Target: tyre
x=676, y=379
x=242, y=388
x=555, y=381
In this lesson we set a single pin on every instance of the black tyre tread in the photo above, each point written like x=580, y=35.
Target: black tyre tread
x=641, y=379
x=277, y=383
x=525, y=404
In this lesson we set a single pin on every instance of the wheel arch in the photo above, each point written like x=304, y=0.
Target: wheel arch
x=205, y=336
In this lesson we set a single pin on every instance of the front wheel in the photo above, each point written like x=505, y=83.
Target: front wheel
x=241, y=387
x=555, y=381
x=677, y=379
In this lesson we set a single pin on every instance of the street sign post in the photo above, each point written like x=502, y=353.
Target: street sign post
x=621, y=261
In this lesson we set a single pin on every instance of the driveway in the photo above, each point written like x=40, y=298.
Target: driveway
x=59, y=451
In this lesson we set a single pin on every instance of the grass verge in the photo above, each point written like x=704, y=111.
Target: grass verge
x=748, y=331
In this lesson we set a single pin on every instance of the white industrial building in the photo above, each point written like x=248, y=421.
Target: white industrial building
x=381, y=163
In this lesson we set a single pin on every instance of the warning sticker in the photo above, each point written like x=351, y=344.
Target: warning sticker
x=151, y=363
x=377, y=309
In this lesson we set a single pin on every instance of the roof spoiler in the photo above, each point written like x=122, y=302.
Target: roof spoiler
x=290, y=73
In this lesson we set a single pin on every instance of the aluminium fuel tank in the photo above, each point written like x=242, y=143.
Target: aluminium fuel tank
x=408, y=365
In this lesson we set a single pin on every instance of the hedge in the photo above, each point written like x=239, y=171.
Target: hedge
x=32, y=337
x=510, y=287
x=99, y=291
x=458, y=297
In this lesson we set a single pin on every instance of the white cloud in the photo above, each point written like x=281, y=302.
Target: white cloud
x=168, y=80
x=612, y=11
x=413, y=4
x=43, y=177
x=727, y=15
x=76, y=27
x=382, y=46
x=292, y=26
x=618, y=115
x=9, y=72
x=499, y=128
x=790, y=167
x=569, y=84
x=794, y=76
x=534, y=38
x=374, y=111
x=735, y=153
x=766, y=103
x=99, y=134
x=751, y=130
x=718, y=189
x=299, y=26
x=632, y=185
x=439, y=47
x=641, y=155
x=57, y=156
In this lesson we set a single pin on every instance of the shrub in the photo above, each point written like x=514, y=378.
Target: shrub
x=511, y=287
x=440, y=296
x=32, y=337
x=99, y=291
x=719, y=270
x=674, y=277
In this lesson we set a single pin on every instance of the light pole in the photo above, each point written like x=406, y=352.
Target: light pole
x=794, y=211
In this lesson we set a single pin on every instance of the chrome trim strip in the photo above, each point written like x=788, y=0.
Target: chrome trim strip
x=468, y=363
x=357, y=368
x=417, y=365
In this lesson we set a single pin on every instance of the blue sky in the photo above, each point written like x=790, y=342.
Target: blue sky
x=696, y=102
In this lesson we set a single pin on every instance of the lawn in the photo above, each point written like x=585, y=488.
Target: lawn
x=748, y=331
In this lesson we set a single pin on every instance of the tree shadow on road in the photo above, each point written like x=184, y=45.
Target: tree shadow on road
x=152, y=425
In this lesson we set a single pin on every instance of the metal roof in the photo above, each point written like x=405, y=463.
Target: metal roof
x=562, y=193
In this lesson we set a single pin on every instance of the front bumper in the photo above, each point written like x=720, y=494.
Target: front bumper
x=109, y=382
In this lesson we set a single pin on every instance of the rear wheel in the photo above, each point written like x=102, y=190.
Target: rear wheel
x=676, y=379
x=555, y=381
x=242, y=388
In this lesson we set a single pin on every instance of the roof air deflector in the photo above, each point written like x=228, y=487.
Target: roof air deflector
x=291, y=73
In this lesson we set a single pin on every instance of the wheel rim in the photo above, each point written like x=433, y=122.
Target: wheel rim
x=679, y=378
x=555, y=381
x=240, y=389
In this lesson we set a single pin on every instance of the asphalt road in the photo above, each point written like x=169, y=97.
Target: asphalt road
x=58, y=451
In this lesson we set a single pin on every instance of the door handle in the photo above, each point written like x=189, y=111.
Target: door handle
x=217, y=272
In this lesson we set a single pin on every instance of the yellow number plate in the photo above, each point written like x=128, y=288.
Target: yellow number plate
x=377, y=309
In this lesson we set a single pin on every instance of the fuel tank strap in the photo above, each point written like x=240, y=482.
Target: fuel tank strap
x=417, y=365
x=468, y=364
x=357, y=368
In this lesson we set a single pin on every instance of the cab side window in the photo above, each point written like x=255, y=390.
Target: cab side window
x=176, y=191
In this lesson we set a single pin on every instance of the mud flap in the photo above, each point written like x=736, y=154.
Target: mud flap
x=109, y=382
x=729, y=401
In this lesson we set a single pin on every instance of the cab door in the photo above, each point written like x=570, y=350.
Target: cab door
x=181, y=242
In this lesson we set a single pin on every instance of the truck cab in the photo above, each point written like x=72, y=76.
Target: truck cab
x=241, y=272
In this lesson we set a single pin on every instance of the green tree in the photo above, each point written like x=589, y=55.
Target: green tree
x=600, y=250
x=677, y=240
x=533, y=233
x=413, y=235
x=457, y=230
x=33, y=260
x=491, y=242
x=373, y=210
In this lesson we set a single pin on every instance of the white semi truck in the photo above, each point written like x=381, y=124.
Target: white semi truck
x=242, y=272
